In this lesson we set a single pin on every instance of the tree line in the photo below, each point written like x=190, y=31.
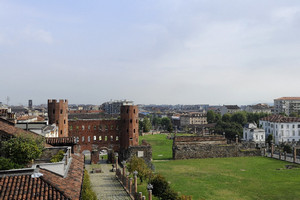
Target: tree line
x=156, y=123
x=232, y=124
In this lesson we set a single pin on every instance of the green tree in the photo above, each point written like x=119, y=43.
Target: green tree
x=269, y=139
x=58, y=157
x=211, y=116
x=146, y=125
x=156, y=122
x=139, y=165
x=294, y=114
x=6, y=163
x=161, y=188
x=226, y=117
x=240, y=118
x=22, y=149
x=165, y=122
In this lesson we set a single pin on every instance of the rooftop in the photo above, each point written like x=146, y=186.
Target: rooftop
x=288, y=98
x=280, y=119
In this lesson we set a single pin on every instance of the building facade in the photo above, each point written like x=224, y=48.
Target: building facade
x=196, y=118
x=259, y=108
x=253, y=134
x=287, y=105
x=114, y=107
x=229, y=109
x=283, y=129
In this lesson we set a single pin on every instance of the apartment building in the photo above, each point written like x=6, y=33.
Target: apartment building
x=287, y=105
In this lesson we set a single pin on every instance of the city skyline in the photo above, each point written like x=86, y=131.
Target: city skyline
x=151, y=52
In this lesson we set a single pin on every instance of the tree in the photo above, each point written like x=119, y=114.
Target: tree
x=294, y=114
x=6, y=163
x=139, y=165
x=146, y=125
x=156, y=121
x=165, y=122
x=22, y=149
x=162, y=189
x=269, y=139
x=58, y=157
x=226, y=117
x=240, y=118
x=211, y=116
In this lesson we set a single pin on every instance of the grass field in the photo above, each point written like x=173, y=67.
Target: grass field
x=243, y=178
x=161, y=146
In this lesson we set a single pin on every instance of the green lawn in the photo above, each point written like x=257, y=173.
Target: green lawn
x=232, y=178
x=161, y=146
x=243, y=178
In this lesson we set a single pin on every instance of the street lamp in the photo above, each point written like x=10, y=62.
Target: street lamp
x=149, y=188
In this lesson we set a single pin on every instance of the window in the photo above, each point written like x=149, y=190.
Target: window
x=89, y=138
x=64, y=121
x=130, y=120
x=127, y=131
x=262, y=137
x=117, y=138
x=293, y=133
x=105, y=138
x=89, y=127
x=111, y=138
x=133, y=110
x=77, y=127
x=53, y=111
x=276, y=133
x=127, y=110
x=61, y=132
x=256, y=136
x=100, y=128
x=134, y=130
x=287, y=126
x=82, y=127
x=100, y=138
x=111, y=127
x=298, y=133
x=298, y=125
x=71, y=128
x=95, y=137
x=281, y=125
x=117, y=127
x=106, y=128
x=95, y=127
x=293, y=126
x=82, y=139
x=61, y=111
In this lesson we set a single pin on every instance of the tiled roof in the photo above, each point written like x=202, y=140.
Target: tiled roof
x=26, y=187
x=71, y=185
x=280, y=119
x=232, y=107
x=9, y=128
x=288, y=98
x=49, y=186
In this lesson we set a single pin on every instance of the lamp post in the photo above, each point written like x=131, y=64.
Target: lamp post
x=149, y=188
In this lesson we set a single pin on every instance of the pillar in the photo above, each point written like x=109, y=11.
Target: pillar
x=130, y=186
x=95, y=157
x=272, y=149
x=285, y=155
x=294, y=155
x=150, y=194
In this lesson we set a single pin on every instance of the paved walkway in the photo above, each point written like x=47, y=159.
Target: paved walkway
x=105, y=184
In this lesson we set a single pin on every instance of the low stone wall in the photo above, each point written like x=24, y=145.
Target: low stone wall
x=208, y=147
x=143, y=151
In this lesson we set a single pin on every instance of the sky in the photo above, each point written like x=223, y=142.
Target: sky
x=152, y=51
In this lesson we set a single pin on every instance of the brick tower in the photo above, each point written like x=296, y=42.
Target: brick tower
x=129, y=126
x=58, y=114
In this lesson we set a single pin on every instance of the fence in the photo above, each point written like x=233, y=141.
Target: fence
x=278, y=154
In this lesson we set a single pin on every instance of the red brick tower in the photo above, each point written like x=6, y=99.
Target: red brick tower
x=129, y=126
x=58, y=114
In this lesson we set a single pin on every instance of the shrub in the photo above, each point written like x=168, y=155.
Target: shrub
x=58, y=157
x=161, y=188
x=87, y=192
x=139, y=165
x=6, y=163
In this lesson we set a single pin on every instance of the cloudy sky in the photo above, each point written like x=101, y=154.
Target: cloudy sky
x=150, y=51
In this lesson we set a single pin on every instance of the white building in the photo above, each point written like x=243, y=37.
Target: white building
x=253, y=134
x=287, y=105
x=283, y=129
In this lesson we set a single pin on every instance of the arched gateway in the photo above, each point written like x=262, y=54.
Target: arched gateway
x=95, y=134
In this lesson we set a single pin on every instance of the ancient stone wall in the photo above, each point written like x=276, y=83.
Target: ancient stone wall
x=143, y=151
x=208, y=147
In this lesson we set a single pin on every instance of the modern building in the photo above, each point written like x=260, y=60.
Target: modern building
x=253, y=134
x=229, y=109
x=259, y=108
x=30, y=104
x=287, y=105
x=283, y=129
x=113, y=107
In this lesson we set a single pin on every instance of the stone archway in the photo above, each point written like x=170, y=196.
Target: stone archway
x=87, y=156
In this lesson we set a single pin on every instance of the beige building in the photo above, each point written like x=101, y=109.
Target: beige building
x=287, y=105
x=195, y=118
x=259, y=108
x=229, y=109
